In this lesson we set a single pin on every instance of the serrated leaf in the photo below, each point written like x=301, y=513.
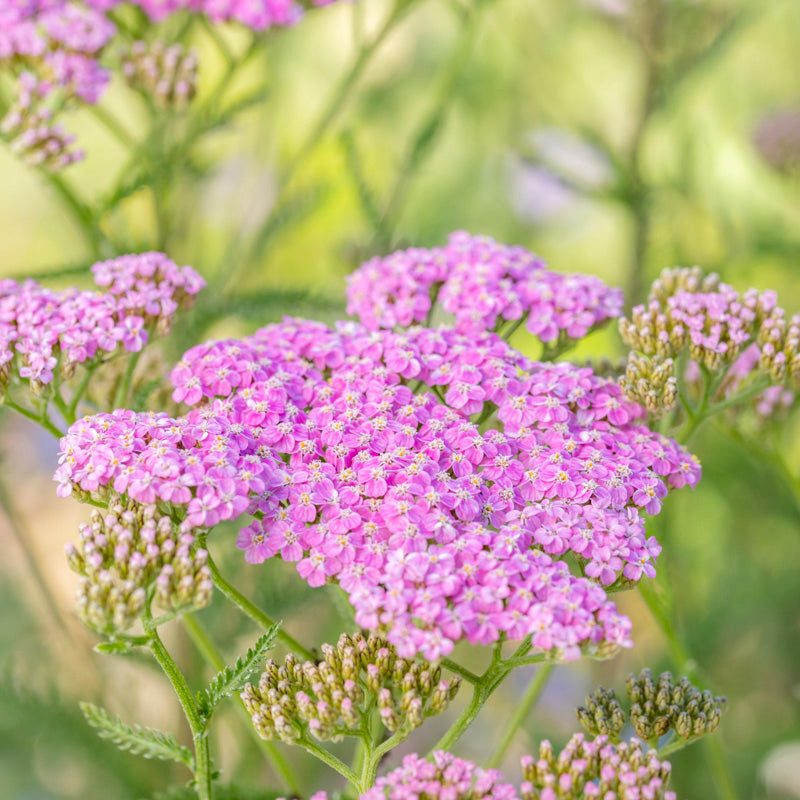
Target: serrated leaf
x=138, y=740
x=233, y=678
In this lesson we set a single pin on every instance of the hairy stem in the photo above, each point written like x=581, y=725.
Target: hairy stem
x=202, y=757
x=331, y=760
x=45, y=422
x=254, y=612
x=208, y=650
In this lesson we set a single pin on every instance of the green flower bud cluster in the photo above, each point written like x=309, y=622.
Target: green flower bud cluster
x=167, y=73
x=130, y=555
x=335, y=697
x=656, y=706
x=651, y=382
x=602, y=714
x=596, y=769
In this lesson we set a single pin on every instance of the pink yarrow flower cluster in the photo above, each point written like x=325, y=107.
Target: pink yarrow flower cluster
x=484, y=285
x=436, y=529
x=42, y=330
x=210, y=466
x=583, y=770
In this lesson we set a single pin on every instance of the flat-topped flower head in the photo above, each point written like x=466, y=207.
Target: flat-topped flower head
x=437, y=527
x=208, y=467
x=45, y=333
x=484, y=285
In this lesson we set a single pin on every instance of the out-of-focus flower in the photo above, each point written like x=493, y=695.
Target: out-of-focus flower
x=167, y=73
x=62, y=44
x=777, y=139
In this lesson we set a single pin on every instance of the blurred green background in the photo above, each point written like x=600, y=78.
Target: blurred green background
x=614, y=137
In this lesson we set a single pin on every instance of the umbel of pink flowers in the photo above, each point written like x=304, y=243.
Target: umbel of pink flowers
x=437, y=477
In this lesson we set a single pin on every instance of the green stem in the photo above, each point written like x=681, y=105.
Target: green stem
x=202, y=757
x=480, y=695
x=528, y=701
x=688, y=666
x=346, y=85
x=112, y=124
x=335, y=103
x=208, y=650
x=673, y=746
x=80, y=390
x=374, y=755
x=513, y=329
x=704, y=411
x=254, y=612
x=45, y=422
x=428, y=131
x=124, y=385
x=83, y=215
x=328, y=758
x=462, y=672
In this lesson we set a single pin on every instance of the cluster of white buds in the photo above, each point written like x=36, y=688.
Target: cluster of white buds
x=651, y=382
x=130, y=555
x=168, y=73
x=331, y=698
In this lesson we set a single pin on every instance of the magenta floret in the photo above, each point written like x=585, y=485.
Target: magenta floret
x=483, y=284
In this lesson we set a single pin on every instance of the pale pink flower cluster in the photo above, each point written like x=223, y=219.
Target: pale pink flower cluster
x=385, y=482
x=484, y=285
x=43, y=330
x=210, y=466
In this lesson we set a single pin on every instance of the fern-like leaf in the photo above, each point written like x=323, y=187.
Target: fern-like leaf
x=233, y=677
x=138, y=740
